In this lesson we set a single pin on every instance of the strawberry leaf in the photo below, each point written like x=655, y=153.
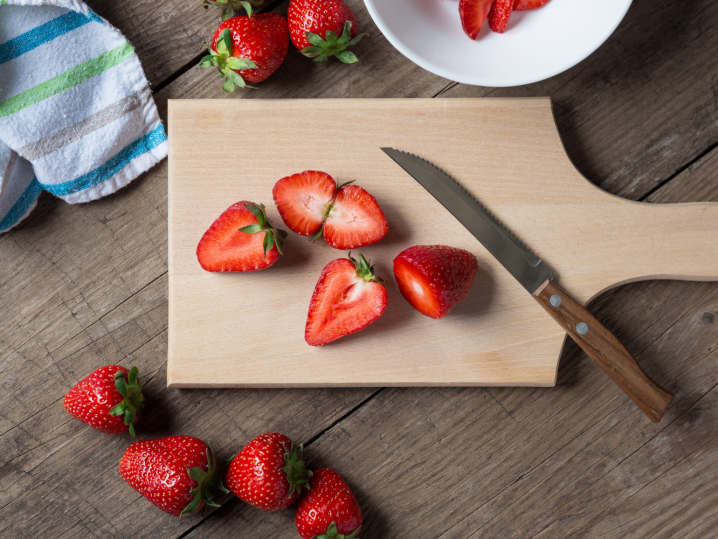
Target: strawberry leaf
x=314, y=39
x=331, y=37
x=227, y=13
x=268, y=242
x=241, y=63
x=236, y=78
x=258, y=212
x=228, y=85
x=347, y=57
x=251, y=229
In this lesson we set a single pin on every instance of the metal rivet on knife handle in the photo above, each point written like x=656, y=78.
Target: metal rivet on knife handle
x=581, y=328
x=556, y=300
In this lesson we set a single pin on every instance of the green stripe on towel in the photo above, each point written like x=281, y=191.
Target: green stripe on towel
x=68, y=79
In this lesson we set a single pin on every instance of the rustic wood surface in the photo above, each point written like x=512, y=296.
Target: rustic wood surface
x=83, y=286
x=583, y=233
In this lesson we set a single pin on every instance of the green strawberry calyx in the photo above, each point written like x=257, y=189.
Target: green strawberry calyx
x=229, y=6
x=295, y=468
x=130, y=388
x=333, y=533
x=321, y=49
x=364, y=270
x=207, y=483
x=273, y=235
x=227, y=64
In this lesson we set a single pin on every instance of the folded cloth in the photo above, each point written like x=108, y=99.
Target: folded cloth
x=77, y=116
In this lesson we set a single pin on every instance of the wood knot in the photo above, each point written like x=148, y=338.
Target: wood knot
x=708, y=318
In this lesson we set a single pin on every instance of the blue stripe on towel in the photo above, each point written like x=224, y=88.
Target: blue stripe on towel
x=27, y=199
x=112, y=166
x=42, y=34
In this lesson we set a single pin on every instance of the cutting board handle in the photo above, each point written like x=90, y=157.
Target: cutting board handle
x=605, y=349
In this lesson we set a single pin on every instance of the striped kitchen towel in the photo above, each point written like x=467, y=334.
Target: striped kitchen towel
x=77, y=116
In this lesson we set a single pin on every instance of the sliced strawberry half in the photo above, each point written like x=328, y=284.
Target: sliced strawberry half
x=241, y=239
x=348, y=297
x=525, y=5
x=303, y=200
x=473, y=13
x=499, y=15
x=354, y=219
x=434, y=278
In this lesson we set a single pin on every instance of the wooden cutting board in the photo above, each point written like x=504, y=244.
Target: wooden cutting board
x=247, y=330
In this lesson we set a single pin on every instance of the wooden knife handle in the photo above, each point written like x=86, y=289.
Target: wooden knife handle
x=605, y=349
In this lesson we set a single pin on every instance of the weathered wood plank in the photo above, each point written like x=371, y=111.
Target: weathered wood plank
x=82, y=286
x=165, y=35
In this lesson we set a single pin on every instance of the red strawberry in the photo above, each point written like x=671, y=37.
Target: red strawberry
x=310, y=203
x=248, y=48
x=268, y=473
x=525, y=5
x=329, y=509
x=178, y=474
x=434, y=278
x=499, y=15
x=107, y=400
x=315, y=24
x=241, y=239
x=473, y=13
x=348, y=297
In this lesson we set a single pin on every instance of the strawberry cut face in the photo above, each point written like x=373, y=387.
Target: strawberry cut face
x=343, y=303
x=473, y=13
x=303, y=199
x=355, y=219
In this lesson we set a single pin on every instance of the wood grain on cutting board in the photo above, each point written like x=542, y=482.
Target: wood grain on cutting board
x=247, y=330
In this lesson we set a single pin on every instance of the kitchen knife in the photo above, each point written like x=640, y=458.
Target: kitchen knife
x=536, y=277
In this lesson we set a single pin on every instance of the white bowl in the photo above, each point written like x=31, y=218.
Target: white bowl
x=536, y=45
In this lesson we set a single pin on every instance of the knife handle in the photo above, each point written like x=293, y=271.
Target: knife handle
x=605, y=349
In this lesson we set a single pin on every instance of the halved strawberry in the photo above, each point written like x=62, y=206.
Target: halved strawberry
x=241, y=239
x=310, y=204
x=473, y=13
x=525, y=5
x=303, y=199
x=499, y=15
x=348, y=297
x=354, y=220
x=434, y=278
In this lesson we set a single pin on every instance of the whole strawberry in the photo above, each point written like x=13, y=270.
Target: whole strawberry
x=328, y=510
x=109, y=399
x=434, y=278
x=315, y=24
x=268, y=473
x=248, y=48
x=179, y=474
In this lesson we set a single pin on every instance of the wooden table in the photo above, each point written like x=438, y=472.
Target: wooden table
x=84, y=286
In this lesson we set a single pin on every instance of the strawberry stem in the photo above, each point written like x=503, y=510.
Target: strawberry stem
x=295, y=468
x=132, y=399
x=321, y=49
x=207, y=484
x=364, y=270
x=229, y=6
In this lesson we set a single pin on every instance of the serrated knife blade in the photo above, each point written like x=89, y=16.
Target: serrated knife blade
x=527, y=268
x=536, y=277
